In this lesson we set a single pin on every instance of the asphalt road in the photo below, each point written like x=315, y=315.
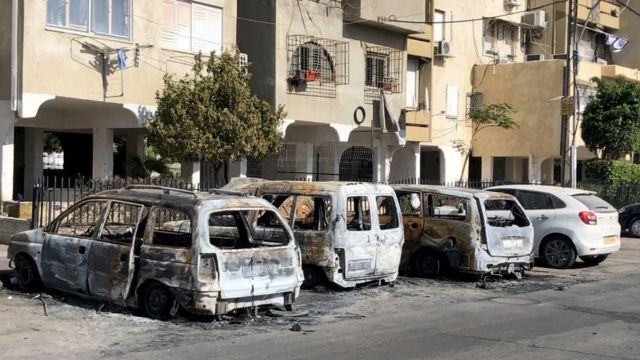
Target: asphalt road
x=581, y=313
x=597, y=319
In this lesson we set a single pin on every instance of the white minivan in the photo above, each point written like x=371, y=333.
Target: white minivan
x=568, y=223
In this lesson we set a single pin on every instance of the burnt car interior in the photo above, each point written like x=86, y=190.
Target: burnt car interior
x=246, y=229
x=311, y=211
x=387, y=212
x=82, y=221
x=447, y=207
x=358, y=213
x=503, y=213
x=121, y=222
x=171, y=227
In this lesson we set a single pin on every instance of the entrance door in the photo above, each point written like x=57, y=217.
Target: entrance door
x=67, y=244
x=111, y=260
x=360, y=249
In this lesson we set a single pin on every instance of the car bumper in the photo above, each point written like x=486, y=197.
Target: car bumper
x=210, y=303
x=486, y=264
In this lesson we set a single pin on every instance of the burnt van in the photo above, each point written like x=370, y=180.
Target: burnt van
x=464, y=230
x=349, y=233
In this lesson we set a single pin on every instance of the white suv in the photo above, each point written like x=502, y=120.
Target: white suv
x=568, y=223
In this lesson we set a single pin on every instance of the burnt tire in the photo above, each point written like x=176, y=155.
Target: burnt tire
x=27, y=274
x=594, y=259
x=157, y=301
x=634, y=228
x=313, y=276
x=558, y=253
x=427, y=264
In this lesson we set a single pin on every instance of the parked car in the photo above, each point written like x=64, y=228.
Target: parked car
x=464, y=230
x=349, y=233
x=160, y=248
x=629, y=219
x=568, y=223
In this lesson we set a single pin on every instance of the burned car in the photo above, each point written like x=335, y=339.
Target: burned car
x=464, y=230
x=349, y=233
x=158, y=249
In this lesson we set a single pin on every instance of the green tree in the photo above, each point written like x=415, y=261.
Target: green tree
x=485, y=117
x=611, y=121
x=212, y=116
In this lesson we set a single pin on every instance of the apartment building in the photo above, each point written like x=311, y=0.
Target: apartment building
x=87, y=72
x=339, y=68
x=534, y=87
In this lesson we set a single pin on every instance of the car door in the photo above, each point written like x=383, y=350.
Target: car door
x=412, y=217
x=389, y=236
x=359, y=249
x=539, y=209
x=111, y=258
x=67, y=245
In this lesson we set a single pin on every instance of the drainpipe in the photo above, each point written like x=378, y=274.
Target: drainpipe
x=14, y=55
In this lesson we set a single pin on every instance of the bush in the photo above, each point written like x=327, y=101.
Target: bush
x=613, y=172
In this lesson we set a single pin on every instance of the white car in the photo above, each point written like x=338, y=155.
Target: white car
x=568, y=223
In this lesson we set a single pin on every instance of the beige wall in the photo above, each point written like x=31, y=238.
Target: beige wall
x=55, y=62
x=5, y=50
x=377, y=13
x=522, y=86
x=630, y=28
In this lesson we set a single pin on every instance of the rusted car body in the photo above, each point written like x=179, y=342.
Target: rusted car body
x=466, y=230
x=342, y=237
x=161, y=248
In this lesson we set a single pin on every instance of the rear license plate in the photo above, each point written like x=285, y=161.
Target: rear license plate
x=512, y=243
x=609, y=240
x=258, y=270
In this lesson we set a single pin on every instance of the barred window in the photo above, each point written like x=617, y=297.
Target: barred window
x=383, y=71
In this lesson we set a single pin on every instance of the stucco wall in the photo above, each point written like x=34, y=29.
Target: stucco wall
x=55, y=61
x=522, y=86
x=630, y=29
x=5, y=50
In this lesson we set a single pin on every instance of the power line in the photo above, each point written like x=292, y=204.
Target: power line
x=393, y=18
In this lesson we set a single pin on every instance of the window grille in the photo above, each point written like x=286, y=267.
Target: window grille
x=383, y=71
x=316, y=65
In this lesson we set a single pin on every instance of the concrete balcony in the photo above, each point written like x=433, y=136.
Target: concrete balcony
x=380, y=13
x=421, y=44
x=418, y=126
x=589, y=70
x=607, y=14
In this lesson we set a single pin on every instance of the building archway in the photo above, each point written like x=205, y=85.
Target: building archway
x=356, y=164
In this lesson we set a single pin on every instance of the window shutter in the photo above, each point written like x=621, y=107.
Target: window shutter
x=412, y=84
x=183, y=25
x=207, y=28
x=169, y=36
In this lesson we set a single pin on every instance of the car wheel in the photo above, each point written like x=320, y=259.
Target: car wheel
x=157, y=301
x=634, y=228
x=28, y=277
x=427, y=264
x=558, y=253
x=313, y=276
x=593, y=259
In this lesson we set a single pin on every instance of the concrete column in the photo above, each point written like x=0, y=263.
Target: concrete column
x=450, y=164
x=238, y=168
x=305, y=163
x=33, y=166
x=102, y=153
x=190, y=171
x=487, y=168
x=535, y=169
x=135, y=148
x=7, y=126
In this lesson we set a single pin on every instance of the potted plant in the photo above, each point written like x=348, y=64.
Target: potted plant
x=311, y=75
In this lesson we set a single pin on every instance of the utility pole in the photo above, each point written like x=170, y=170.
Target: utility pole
x=574, y=127
x=565, y=93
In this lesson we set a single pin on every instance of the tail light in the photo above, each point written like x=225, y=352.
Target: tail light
x=588, y=217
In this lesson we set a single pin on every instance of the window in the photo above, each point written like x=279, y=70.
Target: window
x=284, y=204
x=122, y=223
x=413, y=81
x=534, y=200
x=315, y=63
x=593, y=202
x=387, y=213
x=358, y=213
x=246, y=229
x=557, y=203
x=82, y=221
x=312, y=213
x=409, y=203
x=500, y=38
x=383, y=70
x=504, y=213
x=447, y=207
x=105, y=17
x=171, y=227
x=191, y=27
x=438, y=26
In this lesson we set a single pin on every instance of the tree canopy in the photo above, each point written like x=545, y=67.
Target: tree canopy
x=212, y=116
x=611, y=121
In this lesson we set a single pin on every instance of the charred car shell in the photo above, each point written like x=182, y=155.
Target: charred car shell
x=158, y=249
x=466, y=230
x=343, y=237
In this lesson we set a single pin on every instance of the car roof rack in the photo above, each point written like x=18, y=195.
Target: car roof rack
x=165, y=189
x=226, y=192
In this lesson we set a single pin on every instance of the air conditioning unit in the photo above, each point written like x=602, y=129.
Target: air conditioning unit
x=445, y=49
x=512, y=3
x=535, y=18
x=534, y=57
